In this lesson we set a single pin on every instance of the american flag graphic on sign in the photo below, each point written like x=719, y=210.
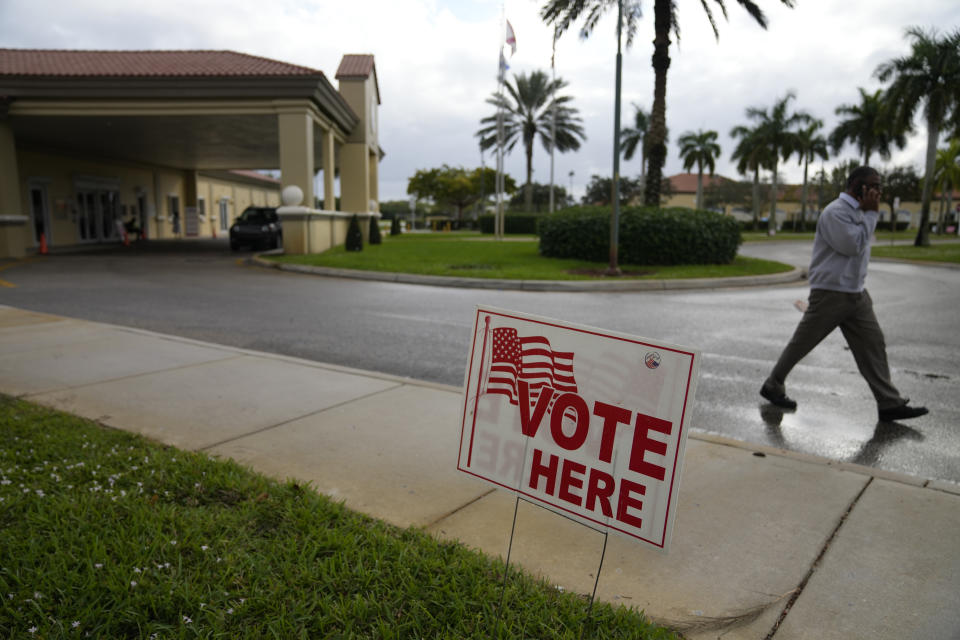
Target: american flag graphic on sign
x=530, y=359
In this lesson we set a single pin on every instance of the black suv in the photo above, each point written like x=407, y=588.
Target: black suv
x=257, y=227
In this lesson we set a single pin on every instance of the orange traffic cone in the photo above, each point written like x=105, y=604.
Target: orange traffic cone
x=43, y=244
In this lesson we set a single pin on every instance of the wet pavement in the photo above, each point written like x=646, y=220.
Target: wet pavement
x=204, y=292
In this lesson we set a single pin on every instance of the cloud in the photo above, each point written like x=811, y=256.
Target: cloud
x=437, y=61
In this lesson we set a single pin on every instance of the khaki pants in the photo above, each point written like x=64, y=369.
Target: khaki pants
x=853, y=313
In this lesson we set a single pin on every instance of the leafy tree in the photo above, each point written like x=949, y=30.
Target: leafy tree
x=901, y=183
x=541, y=198
x=600, y=190
x=929, y=75
x=635, y=137
x=455, y=186
x=838, y=177
x=868, y=125
x=528, y=113
x=947, y=178
x=777, y=130
x=728, y=192
x=700, y=149
x=562, y=13
x=811, y=146
x=751, y=154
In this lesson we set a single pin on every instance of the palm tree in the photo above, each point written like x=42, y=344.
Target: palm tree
x=929, y=75
x=776, y=129
x=751, y=154
x=528, y=111
x=633, y=137
x=699, y=149
x=811, y=146
x=947, y=178
x=562, y=13
x=868, y=125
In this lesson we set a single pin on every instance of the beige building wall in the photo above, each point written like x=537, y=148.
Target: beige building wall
x=71, y=184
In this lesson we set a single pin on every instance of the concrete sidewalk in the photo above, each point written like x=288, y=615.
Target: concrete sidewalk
x=773, y=542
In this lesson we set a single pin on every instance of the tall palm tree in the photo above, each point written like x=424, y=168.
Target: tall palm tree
x=947, y=178
x=811, y=146
x=562, y=13
x=528, y=110
x=929, y=75
x=700, y=149
x=777, y=129
x=751, y=154
x=867, y=125
x=634, y=137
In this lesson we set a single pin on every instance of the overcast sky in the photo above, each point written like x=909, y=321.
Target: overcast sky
x=437, y=63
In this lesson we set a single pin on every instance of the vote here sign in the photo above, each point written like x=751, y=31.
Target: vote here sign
x=588, y=423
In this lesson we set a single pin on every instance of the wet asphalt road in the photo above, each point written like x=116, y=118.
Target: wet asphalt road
x=199, y=290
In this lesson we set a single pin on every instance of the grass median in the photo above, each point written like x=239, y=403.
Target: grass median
x=947, y=251
x=104, y=534
x=472, y=255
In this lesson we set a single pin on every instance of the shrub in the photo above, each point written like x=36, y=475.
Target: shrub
x=375, y=231
x=512, y=223
x=647, y=235
x=354, y=235
x=395, y=226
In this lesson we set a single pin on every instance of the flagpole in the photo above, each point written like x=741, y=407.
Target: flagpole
x=553, y=120
x=501, y=78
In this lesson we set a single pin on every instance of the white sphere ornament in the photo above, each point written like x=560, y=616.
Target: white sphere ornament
x=291, y=196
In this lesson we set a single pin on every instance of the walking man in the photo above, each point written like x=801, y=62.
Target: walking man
x=838, y=269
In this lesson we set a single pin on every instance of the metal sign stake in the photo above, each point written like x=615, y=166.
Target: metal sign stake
x=506, y=568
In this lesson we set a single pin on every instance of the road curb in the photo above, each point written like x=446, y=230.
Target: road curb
x=787, y=277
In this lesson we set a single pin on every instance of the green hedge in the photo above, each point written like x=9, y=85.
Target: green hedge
x=647, y=235
x=512, y=223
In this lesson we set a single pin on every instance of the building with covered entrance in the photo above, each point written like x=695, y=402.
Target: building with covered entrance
x=165, y=142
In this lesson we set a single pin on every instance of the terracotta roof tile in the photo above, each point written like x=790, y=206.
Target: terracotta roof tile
x=61, y=63
x=355, y=66
x=687, y=182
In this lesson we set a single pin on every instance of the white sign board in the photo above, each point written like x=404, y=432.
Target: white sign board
x=588, y=423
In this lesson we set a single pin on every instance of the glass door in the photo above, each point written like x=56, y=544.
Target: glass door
x=39, y=213
x=98, y=211
x=224, y=215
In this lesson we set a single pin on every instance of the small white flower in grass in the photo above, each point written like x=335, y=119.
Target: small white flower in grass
x=37, y=595
x=75, y=624
x=230, y=611
x=98, y=565
x=133, y=583
x=186, y=620
x=173, y=542
x=136, y=569
x=203, y=547
x=32, y=629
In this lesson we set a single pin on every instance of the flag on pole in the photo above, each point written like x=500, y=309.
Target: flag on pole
x=503, y=68
x=511, y=39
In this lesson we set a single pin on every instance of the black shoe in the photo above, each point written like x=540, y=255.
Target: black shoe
x=903, y=412
x=778, y=399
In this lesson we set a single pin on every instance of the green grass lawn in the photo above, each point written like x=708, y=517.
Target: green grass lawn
x=786, y=236
x=477, y=256
x=937, y=252
x=106, y=535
